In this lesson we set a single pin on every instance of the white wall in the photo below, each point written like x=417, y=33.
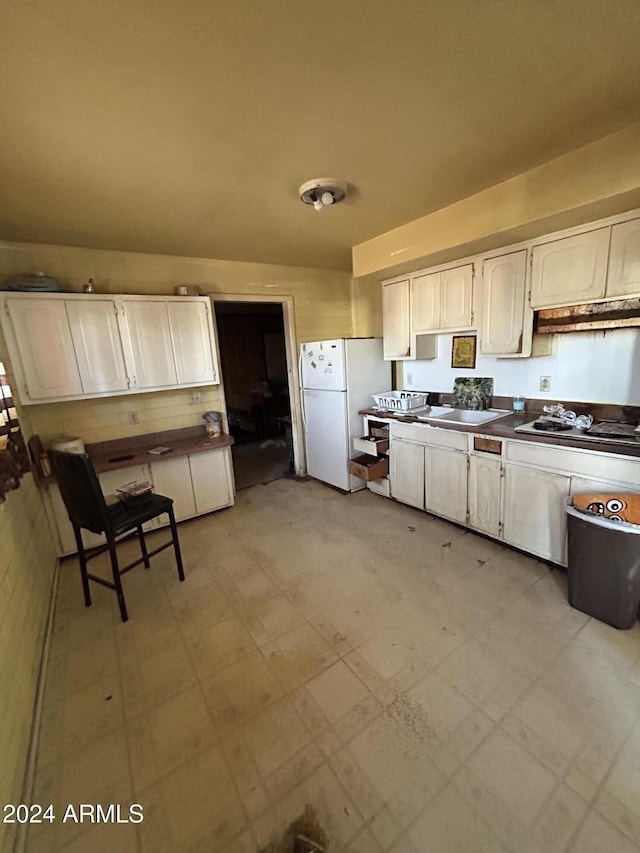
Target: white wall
x=596, y=367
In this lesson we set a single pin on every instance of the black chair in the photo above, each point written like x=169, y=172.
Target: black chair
x=87, y=508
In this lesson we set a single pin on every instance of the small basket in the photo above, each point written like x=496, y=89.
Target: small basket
x=400, y=401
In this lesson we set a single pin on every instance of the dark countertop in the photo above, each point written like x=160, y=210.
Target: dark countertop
x=505, y=428
x=127, y=452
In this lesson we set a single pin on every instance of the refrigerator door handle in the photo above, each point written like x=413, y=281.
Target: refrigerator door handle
x=304, y=418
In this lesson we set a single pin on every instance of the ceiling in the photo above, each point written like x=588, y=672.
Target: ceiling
x=187, y=127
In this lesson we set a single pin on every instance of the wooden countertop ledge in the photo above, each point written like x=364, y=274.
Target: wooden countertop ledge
x=134, y=450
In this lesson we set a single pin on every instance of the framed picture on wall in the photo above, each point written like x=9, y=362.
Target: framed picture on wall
x=463, y=351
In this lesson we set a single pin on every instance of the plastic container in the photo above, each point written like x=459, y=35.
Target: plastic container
x=400, y=401
x=603, y=567
x=213, y=423
x=136, y=493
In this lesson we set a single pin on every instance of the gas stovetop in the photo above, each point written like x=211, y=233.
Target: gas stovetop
x=606, y=432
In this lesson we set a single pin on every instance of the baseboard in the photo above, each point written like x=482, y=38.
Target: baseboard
x=20, y=841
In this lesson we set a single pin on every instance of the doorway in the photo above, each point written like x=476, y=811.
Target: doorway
x=256, y=372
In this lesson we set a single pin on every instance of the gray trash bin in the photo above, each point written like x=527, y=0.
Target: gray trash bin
x=603, y=567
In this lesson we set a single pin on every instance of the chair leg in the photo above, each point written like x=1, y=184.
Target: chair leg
x=143, y=547
x=83, y=566
x=117, y=579
x=176, y=543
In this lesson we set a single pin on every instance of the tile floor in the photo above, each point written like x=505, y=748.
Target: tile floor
x=419, y=688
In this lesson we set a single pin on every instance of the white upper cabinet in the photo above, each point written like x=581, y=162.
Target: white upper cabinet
x=192, y=342
x=41, y=348
x=98, y=348
x=570, y=270
x=396, y=320
x=623, y=277
x=456, y=298
x=171, y=341
x=502, y=324
x=425, y=301
x=149, y=336
x=69, y=346
x=597, y=261
x=443, y=301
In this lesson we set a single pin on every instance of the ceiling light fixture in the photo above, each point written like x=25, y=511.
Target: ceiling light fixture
x=322, y=192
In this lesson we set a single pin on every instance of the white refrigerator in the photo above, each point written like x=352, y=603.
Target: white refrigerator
x=338, y=378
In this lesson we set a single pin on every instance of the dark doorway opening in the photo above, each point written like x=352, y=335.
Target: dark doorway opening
x=254, y=366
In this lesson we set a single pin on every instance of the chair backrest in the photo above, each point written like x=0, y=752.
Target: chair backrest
x=80, y=490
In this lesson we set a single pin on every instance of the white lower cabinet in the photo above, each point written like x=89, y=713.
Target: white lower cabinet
x=484, y=497
x=198, y=483
x=534, y=516
x=406, y=472
x=445, y=483
x=508, y=489
x=173, y=479
x=212, y=480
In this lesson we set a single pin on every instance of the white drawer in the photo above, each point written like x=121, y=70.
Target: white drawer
x=380, y=487
x=431, y=435
x=410, y=432
x=449, y=438
x=371, y=444
x=583, y=463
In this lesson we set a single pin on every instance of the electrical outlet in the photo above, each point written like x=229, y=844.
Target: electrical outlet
x=134, y=418
x=194, y=398
x=409, y=378
x=545, y=383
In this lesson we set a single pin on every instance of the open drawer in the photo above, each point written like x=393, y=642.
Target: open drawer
x=369, y=467
x=371, y=445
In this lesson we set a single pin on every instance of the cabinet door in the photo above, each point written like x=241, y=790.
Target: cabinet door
x=149, y=335
x=396, y=320
x=98, y=348
x=503, y=304
x=111, y=481
x=43, y=340
x=456, y=298
x=211, y=480
x=484, y=494
x=623, y=277
x=425, y=302
x=193, y=346
x=445, y=483
x=406, y=472
x=172, y=477
x=570, y=270
x=534, y=516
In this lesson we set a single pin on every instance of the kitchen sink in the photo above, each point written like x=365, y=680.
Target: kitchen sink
x=470, y=416
x=430, y=412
